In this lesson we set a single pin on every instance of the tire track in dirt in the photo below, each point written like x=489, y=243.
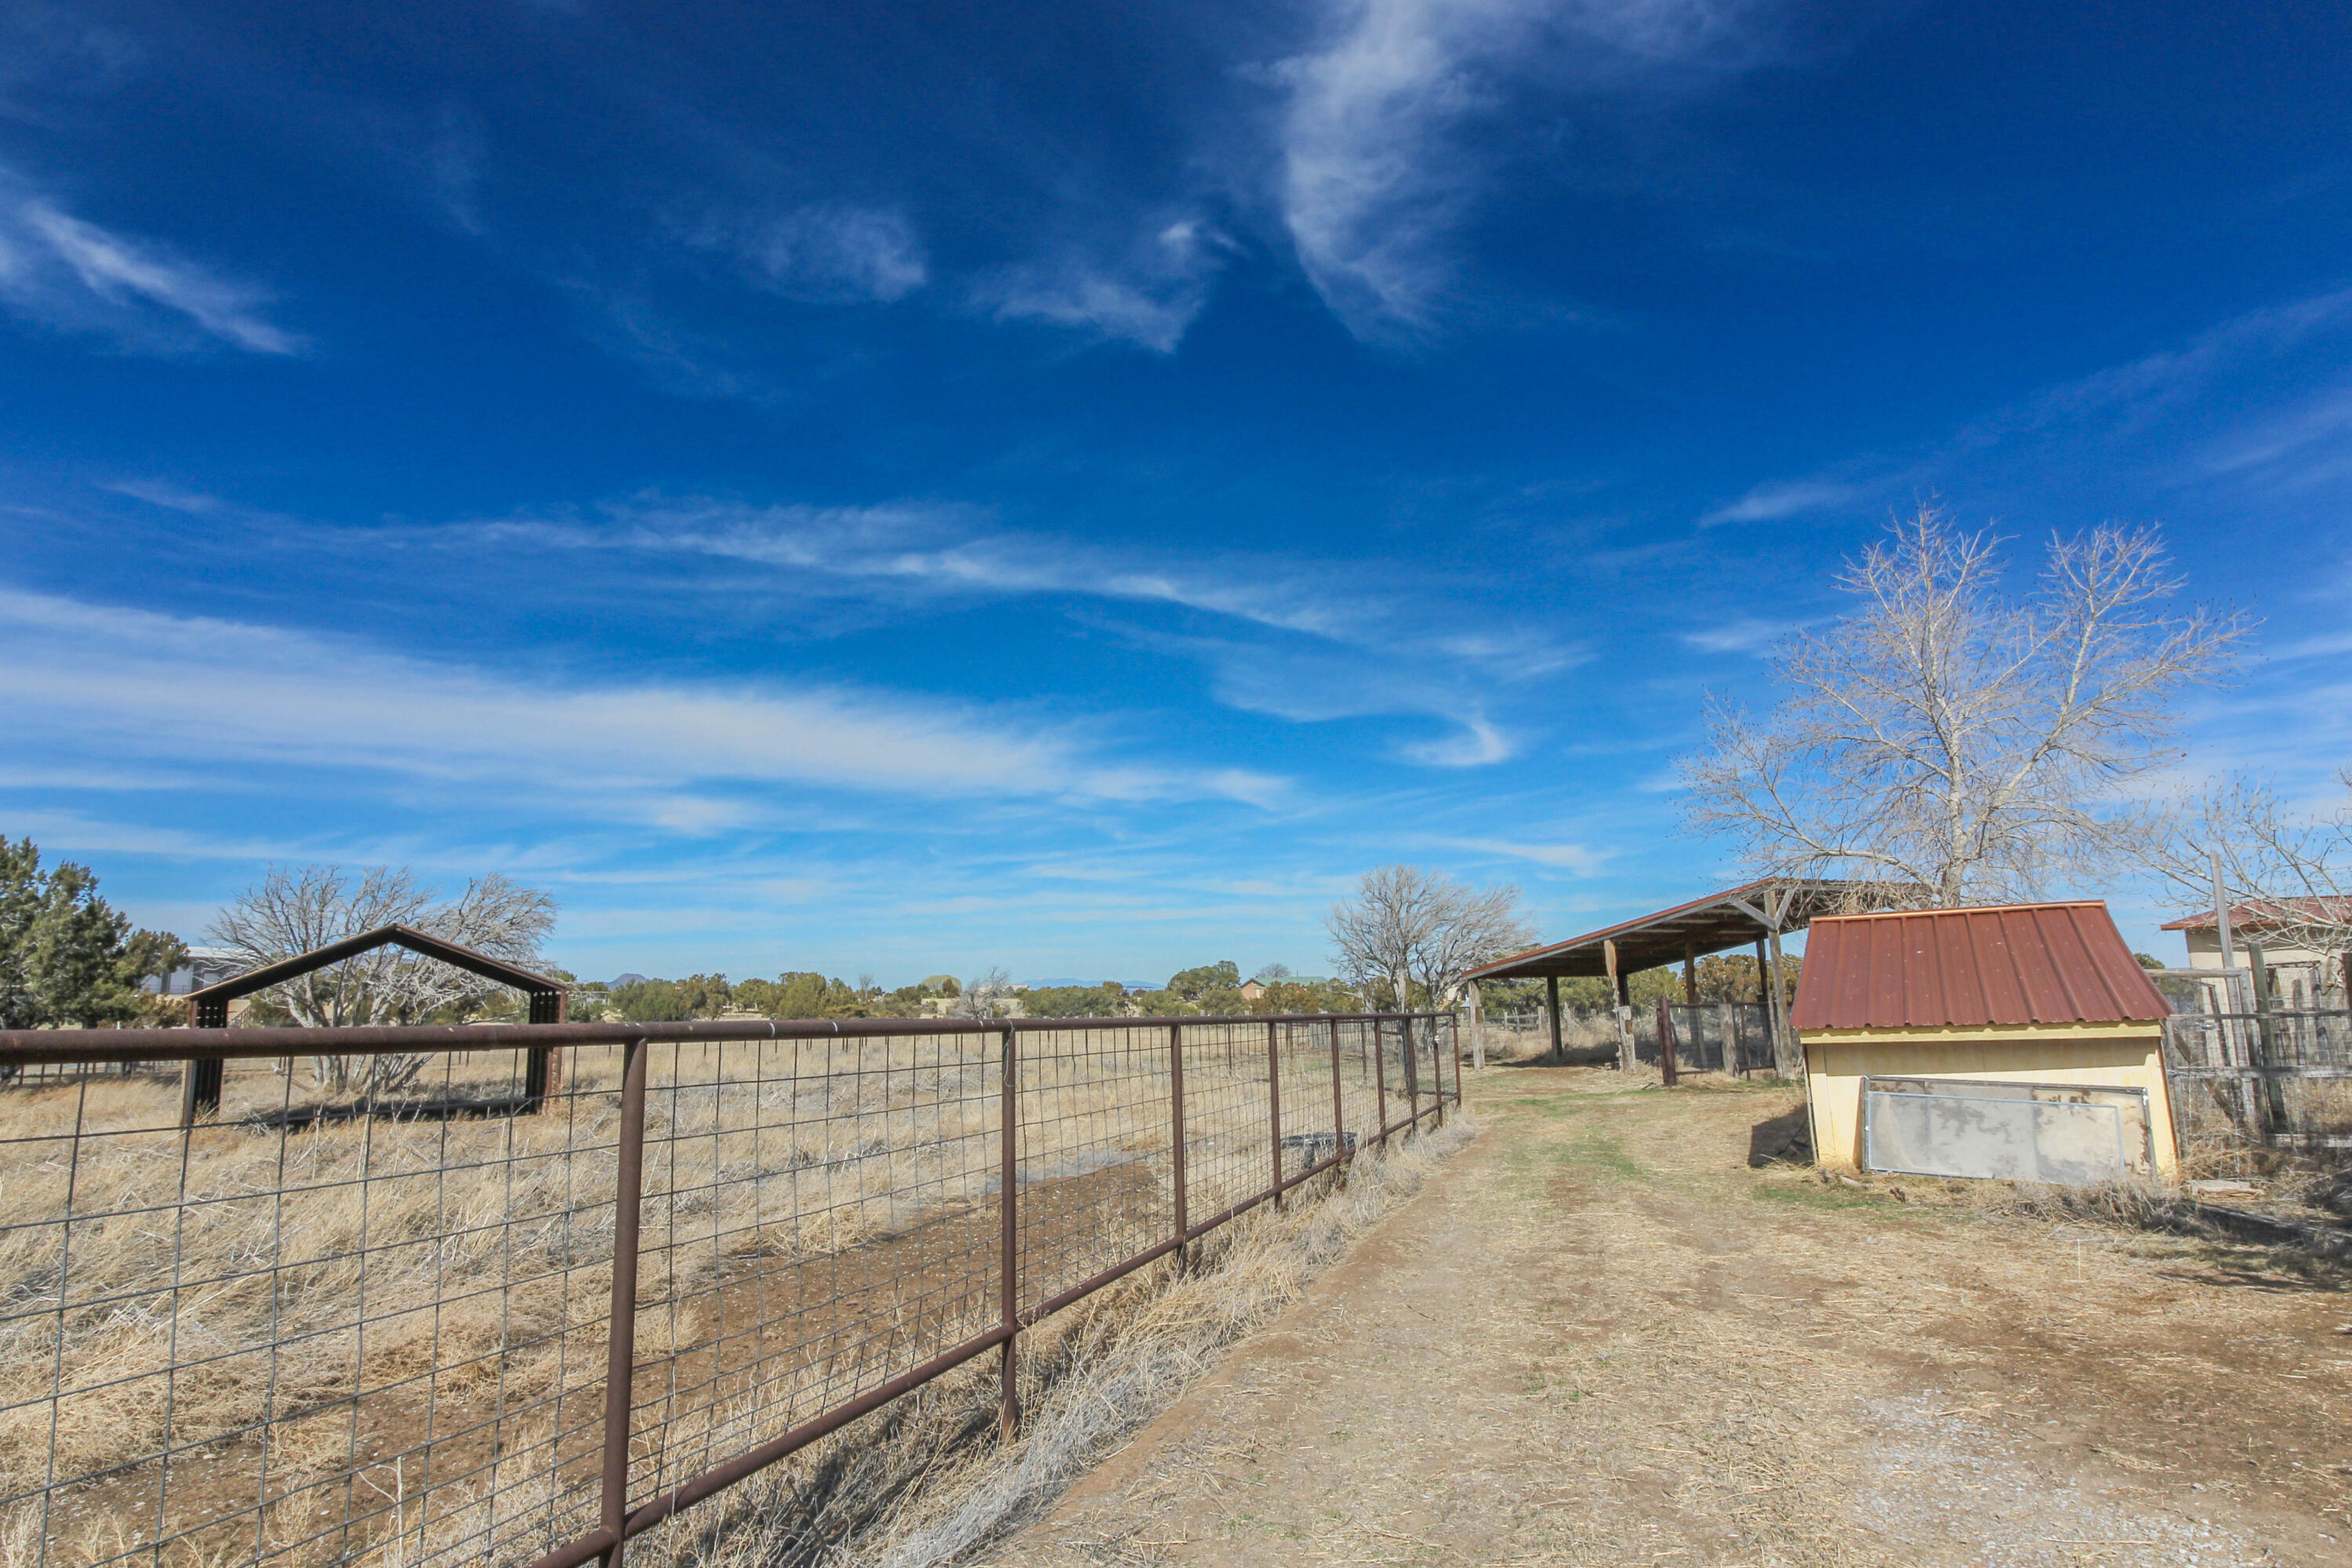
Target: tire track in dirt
x=1598, y=1337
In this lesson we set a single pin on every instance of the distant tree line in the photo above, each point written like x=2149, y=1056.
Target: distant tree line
x=1204, y=989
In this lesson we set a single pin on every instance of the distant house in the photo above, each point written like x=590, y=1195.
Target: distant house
x=205, y=966
x=2302, y=978
x=1252, y=990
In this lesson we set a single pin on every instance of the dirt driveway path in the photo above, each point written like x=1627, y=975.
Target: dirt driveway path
x=1598, y=1336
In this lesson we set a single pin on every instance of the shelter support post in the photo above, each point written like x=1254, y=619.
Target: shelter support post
x=1621, y=1007
x=1666, y=1042
x=1478, y=1030
x=1551, y=1011
x=1784, y=1059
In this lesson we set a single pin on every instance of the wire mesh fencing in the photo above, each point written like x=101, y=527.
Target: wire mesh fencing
x=465, y=1323
x=2273, y=1078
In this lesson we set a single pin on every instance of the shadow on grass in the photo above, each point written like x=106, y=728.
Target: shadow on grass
x=1581, y=1056
x=1782, y=1140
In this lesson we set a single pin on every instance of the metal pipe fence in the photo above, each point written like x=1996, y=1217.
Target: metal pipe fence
x=417, y=1328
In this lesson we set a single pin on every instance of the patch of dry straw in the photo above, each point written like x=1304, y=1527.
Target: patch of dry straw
x=927, y=1483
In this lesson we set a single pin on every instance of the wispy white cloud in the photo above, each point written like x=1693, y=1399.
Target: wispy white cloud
x=950, y=549
x=680, y=753
x=1375, y=165
x=2306, y=445
x=1146, y=296
x=70, y=275
x=833, y=252
x=1565, y=857
x=1784, y=499
x=1478, y=744
x=1745, y=636
x=1304, y=642
x=167, y=495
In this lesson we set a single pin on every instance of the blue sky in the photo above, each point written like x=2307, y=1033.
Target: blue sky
x=901, y=488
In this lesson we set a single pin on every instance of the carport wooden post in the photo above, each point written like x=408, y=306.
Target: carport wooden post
x=1477, y=1031
x=1690, y=999
x=1618, y=1006
x=1552, y=1000
x=1785, y=1057
x=1767, y=992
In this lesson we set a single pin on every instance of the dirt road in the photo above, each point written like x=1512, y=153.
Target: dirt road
x=1600, y=1337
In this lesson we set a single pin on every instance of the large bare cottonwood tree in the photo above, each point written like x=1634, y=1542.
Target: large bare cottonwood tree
x=1405, y=924
x=1947, y=734
x=293, y=912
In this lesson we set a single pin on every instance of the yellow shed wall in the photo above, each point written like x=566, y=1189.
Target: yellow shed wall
x=1835, y=1065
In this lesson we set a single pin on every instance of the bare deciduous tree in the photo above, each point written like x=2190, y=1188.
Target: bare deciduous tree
x=988, y=996
x=2287, y=872
x=1406, y=924
x=289, y=913
x=1947, y=734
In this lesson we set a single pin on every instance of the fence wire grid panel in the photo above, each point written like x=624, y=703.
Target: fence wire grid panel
x=2278, y=1079
x=1709, y=1036
x=367, y=1312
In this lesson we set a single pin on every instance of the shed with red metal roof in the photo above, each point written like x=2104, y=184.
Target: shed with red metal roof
x=1935, y=1039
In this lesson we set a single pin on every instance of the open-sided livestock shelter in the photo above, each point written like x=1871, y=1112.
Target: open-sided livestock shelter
x=2021, y=1041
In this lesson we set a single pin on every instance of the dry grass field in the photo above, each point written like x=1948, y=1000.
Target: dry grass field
x=306, y=1338
x=1600, y=1336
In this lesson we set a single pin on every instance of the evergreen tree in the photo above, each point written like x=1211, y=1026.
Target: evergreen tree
x=68, y=957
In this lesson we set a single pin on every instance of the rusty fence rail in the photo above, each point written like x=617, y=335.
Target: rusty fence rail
x=484, y=1311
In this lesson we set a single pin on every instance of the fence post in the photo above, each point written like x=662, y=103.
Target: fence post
x=1273, y=1104
x=1665, y=1043
x=1438, y=1075
x=1008, y=1414
x=1339, y=1150
x=1456, y=1030
x=200, y=1080
x=1176, y=1128
x=1411, y=1074
x=1379, y=1085
x=621, y=1344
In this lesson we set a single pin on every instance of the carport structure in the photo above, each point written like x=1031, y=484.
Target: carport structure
x=1758, y=912
x=200, y=1092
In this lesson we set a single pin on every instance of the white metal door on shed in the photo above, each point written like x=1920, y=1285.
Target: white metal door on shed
x=2063, y=1134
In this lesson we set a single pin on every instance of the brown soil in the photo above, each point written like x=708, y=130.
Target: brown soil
x=1598, y=1336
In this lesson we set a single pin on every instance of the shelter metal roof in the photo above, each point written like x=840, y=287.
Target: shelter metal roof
x=2256, y=915
x=2006, y=965
x=409, y=937
x=1732, y=917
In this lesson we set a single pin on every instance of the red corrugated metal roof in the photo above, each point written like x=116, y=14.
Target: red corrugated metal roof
x=2012, y=964
x=2277, y=912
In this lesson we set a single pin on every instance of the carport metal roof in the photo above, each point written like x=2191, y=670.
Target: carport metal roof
x=1733, y=918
